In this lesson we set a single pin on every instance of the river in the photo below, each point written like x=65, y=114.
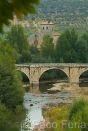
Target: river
x=37, y=103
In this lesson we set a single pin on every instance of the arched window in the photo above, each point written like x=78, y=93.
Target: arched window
x=47, y=28
x=43, y=28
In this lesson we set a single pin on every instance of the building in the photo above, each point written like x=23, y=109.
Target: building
x=46, y=28
x=16, y=21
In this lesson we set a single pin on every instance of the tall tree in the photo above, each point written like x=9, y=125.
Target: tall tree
x=19, y=42
x=11, y=91
x=65, y=47
x=82, y=50
x=47, y=47
x=17, y=38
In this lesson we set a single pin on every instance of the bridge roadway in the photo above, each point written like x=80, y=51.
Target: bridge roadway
x=35, y=70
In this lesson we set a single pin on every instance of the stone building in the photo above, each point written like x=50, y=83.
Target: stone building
x=46, y=28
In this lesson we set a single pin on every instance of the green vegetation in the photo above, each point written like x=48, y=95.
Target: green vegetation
x=20, y=8
x=11, y=91
x=71, y=47
x=19, y=43
x=65, y=14
x=73, y=118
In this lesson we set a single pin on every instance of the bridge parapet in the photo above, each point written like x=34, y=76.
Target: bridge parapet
x=53, y=64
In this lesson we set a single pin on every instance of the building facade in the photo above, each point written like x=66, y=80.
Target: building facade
x=46, y=28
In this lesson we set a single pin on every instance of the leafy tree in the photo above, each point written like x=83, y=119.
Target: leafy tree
x=85, y=37
x=33, y=49
x=39, y=59
x=65, y=47
x=17, y=38
x=82, y=50
x=10, y=121
x=19, y=7
x=26, y=57
x=72, y=37
x=11, y=91
x=18, y=41
x=47, y=47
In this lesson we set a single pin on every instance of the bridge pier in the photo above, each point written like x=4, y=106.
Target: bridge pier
x=74, y=75
x=34, y=83
x=34, y=87
x=34, y=76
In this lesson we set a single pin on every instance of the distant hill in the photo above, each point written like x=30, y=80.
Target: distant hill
x=63, y=13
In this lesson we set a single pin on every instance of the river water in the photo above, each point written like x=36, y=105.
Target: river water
x=37, y=103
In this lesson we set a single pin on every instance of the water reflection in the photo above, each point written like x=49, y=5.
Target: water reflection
x=35, y=116
x=41, y=88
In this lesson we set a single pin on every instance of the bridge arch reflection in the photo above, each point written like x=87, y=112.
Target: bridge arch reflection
x=83, y=79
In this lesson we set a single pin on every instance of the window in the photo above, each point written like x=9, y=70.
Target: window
x=43, y=28
x=47, y=28
x=35, y=42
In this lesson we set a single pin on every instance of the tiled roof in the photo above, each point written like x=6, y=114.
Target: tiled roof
x=47, y=23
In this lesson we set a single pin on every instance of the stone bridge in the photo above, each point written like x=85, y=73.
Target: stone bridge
x=35, y=70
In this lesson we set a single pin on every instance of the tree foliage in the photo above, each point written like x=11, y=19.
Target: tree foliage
x=19, y=42
x=47, y=48
x=11, y=91
x=18, y=7
x=66, y=47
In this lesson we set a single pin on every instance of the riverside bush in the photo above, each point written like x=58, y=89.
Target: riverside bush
x=70, y=118
x=78, y=116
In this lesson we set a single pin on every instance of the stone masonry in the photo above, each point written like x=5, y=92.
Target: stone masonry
x=34, y=71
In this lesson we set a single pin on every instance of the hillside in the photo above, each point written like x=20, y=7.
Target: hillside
x=63, y=13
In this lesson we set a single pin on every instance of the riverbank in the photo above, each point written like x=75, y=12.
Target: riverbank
x=73, y=89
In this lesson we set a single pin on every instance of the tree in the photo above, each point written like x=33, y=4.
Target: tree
x=11, y=91
x=65, y=47
x=72, y=37
x=47, y=47
x=82, y=50
x=19, y=42
x=17, y=39
x=19, y=7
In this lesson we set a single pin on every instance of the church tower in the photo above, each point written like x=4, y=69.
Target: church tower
x=46, y=28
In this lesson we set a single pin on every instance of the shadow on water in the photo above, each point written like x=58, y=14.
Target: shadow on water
x=83, y=83
x=43, y=87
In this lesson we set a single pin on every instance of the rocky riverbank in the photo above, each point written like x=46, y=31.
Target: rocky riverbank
x=73, y=89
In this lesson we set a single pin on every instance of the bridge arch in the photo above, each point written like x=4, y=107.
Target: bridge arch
x=83, y=73
x=26, y=72
x=82, y=70
x=65, y=71
x=83, y=79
